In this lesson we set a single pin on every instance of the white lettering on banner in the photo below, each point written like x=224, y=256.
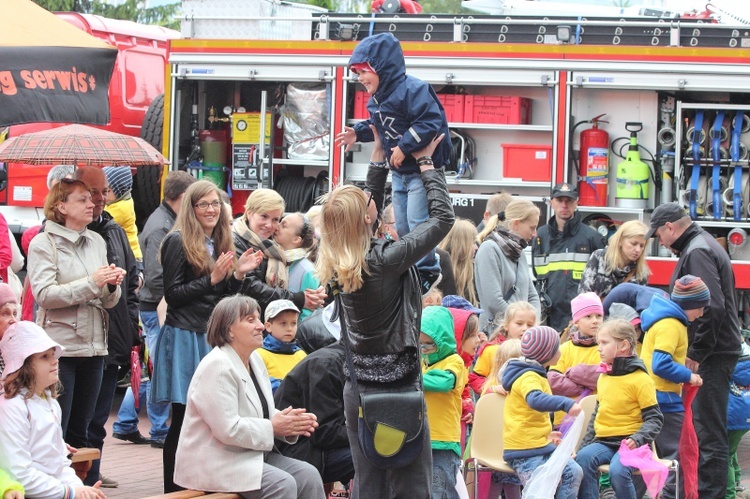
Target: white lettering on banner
x=466, y=202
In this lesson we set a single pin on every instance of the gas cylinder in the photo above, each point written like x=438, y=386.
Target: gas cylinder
x=593, y=165
x=633, y=175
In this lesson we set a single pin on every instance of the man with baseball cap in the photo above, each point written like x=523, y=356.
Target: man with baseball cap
x=714, y=339
x=561, y=250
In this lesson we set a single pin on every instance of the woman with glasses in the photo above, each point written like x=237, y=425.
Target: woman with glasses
x=198, y=259
x=73, y=285
x=256, y=229
x=382, y=305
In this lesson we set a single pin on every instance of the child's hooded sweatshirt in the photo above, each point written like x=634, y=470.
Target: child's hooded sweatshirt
x=664, y=351
x=445, y=377
x=405, y=110
x=527, y=408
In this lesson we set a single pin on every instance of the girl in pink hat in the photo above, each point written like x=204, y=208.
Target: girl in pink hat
x=31, y=442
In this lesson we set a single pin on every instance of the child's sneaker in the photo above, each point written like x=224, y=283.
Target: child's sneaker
x=428, y=281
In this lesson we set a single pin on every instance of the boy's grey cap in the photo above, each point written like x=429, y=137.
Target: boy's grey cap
x=277, y=306
x=564, y=190
x=669, y=212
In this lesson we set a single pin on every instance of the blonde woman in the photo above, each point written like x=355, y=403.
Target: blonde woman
x=623, y=260
x=255, y=229
x=460, y=243
x=381, y=301
x=501, y=271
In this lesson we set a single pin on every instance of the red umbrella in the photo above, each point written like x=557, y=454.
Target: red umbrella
x=79, y=145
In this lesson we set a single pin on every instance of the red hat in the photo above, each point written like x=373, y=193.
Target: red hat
x=459, y=326
x=359, y=67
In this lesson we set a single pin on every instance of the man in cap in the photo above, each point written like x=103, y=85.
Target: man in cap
x=714, y=339
x=561, y=249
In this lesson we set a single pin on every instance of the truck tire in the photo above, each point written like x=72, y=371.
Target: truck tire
x=147, y=180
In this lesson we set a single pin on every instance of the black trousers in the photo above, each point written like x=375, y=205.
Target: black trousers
x=170, y=448
x=710, y=420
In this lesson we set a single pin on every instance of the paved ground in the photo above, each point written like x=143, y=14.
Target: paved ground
x=138, y=468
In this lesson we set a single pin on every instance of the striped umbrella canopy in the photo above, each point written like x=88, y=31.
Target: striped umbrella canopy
x=79, y=145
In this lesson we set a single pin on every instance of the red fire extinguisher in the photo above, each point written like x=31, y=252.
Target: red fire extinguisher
x=593, y=165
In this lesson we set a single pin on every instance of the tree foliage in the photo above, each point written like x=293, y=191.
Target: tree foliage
x=130, y=10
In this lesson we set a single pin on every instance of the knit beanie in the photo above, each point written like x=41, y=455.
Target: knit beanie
x=691, y=293
x=120, y=180
x=586, y=304
x=626, y=312
x=540, y=343
x=7, y=295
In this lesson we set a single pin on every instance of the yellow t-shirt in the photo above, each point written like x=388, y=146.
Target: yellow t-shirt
x=279, y=364
x=525, y=428
x=621, y=400
x=123, y=213
x=668, y=335
x=444, y=408
x=483, y=365
x=573, y=355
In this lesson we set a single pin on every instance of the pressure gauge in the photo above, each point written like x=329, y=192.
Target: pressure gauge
x=228, y=110
x=242, y=125
x=240, y=109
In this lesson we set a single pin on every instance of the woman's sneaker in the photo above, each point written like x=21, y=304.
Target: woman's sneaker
x=108, y=483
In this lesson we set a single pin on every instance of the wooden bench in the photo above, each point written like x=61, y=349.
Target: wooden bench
x=188, y=494
x=82, y=461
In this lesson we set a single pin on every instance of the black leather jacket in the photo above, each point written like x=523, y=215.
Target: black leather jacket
x=190, y=298
x=383, y=316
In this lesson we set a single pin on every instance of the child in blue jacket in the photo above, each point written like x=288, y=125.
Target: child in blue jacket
x=407, y=115
x=738, y=416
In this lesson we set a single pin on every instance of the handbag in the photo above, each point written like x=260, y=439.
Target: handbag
x=390, y=422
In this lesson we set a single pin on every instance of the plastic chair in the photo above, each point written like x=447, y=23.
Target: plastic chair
x=588, y=405
x=487, y=437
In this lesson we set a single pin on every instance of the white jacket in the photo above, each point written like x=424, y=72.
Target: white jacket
x=224, y=434
x=32, y=449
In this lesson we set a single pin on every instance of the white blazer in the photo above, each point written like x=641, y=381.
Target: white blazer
x=224, y=434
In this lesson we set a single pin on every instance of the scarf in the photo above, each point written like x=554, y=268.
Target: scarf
x=579, y=338
x=510, y=243
x=294, y=254
x=277, y=346
x=276, y=271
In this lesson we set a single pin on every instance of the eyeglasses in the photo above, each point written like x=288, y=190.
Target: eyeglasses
x=426, y=347
x=203, y=205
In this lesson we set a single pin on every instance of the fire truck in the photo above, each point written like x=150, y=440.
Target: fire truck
x=637, y=111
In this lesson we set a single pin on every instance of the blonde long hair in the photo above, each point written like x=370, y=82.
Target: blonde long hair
x=193, y=237
x=459, y=243
x=345, y=238
x=518, y=210
x=614, y=257
x=509, y=349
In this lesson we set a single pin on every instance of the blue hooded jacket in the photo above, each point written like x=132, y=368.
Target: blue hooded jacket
x=634, y=295
x=662, y=364
x=405, y=110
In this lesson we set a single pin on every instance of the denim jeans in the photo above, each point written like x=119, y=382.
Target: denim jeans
x=410, y=209
x=338, y=465
x=445, y=465
x=158, y=412
x=97, y=432
x=81, y=378
x=570, y=481
x=594, y=455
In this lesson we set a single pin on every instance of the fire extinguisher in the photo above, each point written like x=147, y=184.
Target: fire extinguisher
x=593, y=169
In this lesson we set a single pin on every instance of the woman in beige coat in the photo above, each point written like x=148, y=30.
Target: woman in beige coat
x=226, y=443
x=73, y=285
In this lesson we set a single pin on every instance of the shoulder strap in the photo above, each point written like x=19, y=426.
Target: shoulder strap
x=509, y=294
x=630, y=275
x=339, y=314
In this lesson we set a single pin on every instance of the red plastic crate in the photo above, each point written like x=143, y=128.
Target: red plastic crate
x=454, y=106
x=498, y=109
x=530, y=162
x=361, y=98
